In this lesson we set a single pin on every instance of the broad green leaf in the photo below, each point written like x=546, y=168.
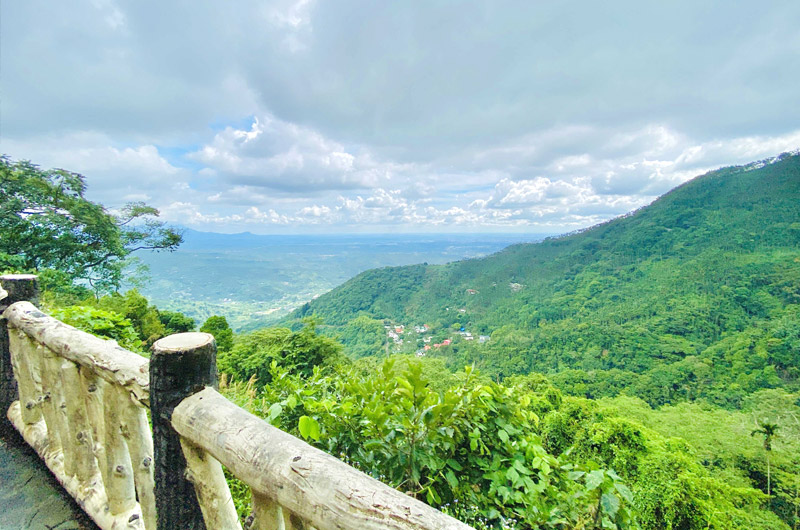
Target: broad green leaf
x=432, y=496
x=373, y=444
x=274, y=411
x=594, y=479
x=512, y=475
x=624, y=491
x=451, y=478
x=309, y=427
x=610, y=504
x=454, y=464
x=503, y=435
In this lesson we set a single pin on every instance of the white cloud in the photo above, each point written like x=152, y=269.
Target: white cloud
x=285, y=156
x=254, y=215
x=88, y=152
x=113, y=172
x=279, y=175
x=354, y=115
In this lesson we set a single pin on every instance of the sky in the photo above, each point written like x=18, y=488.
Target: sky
x=311, y=116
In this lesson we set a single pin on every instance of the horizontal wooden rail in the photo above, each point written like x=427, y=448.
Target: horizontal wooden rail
x=81, y=402
x=287, y=472
x=105, y=358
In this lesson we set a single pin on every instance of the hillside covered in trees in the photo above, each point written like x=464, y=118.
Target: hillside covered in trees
x=695, y=296
x=676, y=328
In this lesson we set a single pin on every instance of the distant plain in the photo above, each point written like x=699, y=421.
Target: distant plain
x=253, y=280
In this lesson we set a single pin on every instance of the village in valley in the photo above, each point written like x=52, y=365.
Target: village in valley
x=420, y=339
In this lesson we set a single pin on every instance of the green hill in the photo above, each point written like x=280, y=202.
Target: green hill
x=696, y=295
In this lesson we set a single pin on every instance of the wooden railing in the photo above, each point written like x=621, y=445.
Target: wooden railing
x=83, y=407
x=82, y=403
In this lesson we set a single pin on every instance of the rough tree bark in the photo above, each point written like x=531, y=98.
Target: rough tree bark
x=17, y=287
x=181, y=365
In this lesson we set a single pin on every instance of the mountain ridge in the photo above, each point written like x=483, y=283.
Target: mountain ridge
x=711, y=262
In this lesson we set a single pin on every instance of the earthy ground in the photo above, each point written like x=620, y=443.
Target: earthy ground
x=30, y=498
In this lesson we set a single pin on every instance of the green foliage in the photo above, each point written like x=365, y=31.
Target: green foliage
x=175, y=322
x=434, y=370
x=675, y=493
x=102, y=323
x=688, y=304
x=143, y=316
x=768, y=431
x=364, y=336
x=46, y=222
x=720, y=440
x=471, y=448
x=59, y=290
x=693, y=299
x=142, y=319
x=12, y=263
x=218, y=326
x=253, y=353
x=308, y=428
x=477, y=450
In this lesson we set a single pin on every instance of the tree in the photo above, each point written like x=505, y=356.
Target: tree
x=46, y=222
x=253, y=354
x=176, y=322
x=219, y=327
x=769, y=431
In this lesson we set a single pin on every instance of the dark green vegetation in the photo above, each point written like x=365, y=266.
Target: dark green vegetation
x=47, y=225
x=129, y=319
x=670, y=340
x=695, y=296
x=519, y=454
x=82, y=253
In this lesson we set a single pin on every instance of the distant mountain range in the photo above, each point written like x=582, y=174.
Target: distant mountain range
x=696, y=295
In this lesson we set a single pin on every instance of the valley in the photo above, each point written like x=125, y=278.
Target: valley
x=254, y=280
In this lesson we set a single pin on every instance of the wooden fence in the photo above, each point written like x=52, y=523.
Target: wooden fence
x=86, y=406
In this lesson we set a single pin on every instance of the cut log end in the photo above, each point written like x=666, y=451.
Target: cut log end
x=182, y=342
x=18, y=277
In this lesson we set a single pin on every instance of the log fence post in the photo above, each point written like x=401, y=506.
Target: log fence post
x=181, y=365
x=18, y=287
